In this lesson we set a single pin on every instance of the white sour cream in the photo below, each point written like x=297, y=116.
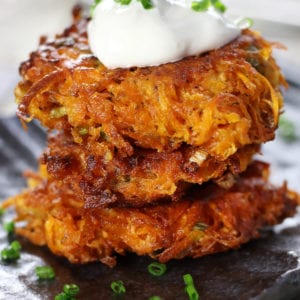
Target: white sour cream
x=124, y=36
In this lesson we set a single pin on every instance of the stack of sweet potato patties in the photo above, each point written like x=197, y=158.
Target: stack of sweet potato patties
x=155, y=160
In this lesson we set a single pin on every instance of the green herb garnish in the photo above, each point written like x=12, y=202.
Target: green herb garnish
x=123, y=2
x=71, y=289
x=9, y=227
x=45, y=272
x=11, y=253
x=157, y=269
x=62, y=296
x=287, y=130
x=118, y=287
x=190, y=288
x=147, y=4
x=200, y=226
x=69, y=292
x=58, y=112
x=83, y=131
x=155, y=298
x=244, y=23
x=203, y=5
x=2, y=211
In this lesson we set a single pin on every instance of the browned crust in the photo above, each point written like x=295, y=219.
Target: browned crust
x=146, y=176
x=55, y=217
x=220, y=101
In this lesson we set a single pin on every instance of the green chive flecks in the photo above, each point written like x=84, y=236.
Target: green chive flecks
x=9, y=227
x=147, y=4
x=45, y=272
x=62, y=296
x=71, y=289
x=123, y=2
x=155, y=298
x=287, y=130
x=11, y=253
x=190, y=288
x=202, y=5
x=2, y=211
x=157, y=269
x=69, y=292
x=118, y=287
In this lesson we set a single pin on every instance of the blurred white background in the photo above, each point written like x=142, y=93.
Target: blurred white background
x=23, y=21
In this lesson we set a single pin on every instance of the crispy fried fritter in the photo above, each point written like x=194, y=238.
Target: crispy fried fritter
x=144, y=177
x=219, y=101
x=209, y=220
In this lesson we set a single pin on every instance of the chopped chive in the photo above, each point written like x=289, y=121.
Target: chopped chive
x=15, y=245
x=192, y=292
x=123, y=2
x=62, y=296
x=45, y=272
x=201, y=5
x=147, y=4
x=155, y=298
x=244, y=23
x=188, y=279
x=218, y=5
x=58, y=112
x=190, y=288
x=118, y=287
x=157, y=269
x=2, y=211
x=83, y=131
x=200, y=226
x=11, y=253
x=9, y=227
x=71, y=289
x=287, y=130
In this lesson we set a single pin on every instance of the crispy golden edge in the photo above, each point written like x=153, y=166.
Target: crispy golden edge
x=209, y=220
x=145, y=177
x=219, y=101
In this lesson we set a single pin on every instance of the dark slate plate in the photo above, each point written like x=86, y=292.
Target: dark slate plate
x=267, y=268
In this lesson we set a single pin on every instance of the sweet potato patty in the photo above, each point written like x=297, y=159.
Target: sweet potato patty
x=144, y=177
x=219, y=101
x=210, y=219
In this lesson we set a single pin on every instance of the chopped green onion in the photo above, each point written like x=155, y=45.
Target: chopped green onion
x=218, y=5
x=11, y=253
x=188, y=279
x=123, y=2
x=62, y=296
x=58, y=112
x=9, y=227
x=201, y=5
x=287, y=130
x=244, y=23
x=200, y=226
x=192, y=292
x=118, y=287
x=71, y=289
x=83, y=131
x=157, y=269
x=15, y=245
x=2, y=211
x=155, y=298
x=147, y=4
x=45, y=272
x=190, y=288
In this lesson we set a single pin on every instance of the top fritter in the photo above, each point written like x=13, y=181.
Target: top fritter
x=215, y=104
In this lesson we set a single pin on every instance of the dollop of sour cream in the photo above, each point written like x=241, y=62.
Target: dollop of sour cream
x=124, y=36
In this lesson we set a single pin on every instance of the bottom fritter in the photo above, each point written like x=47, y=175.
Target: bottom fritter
x=209, y=219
